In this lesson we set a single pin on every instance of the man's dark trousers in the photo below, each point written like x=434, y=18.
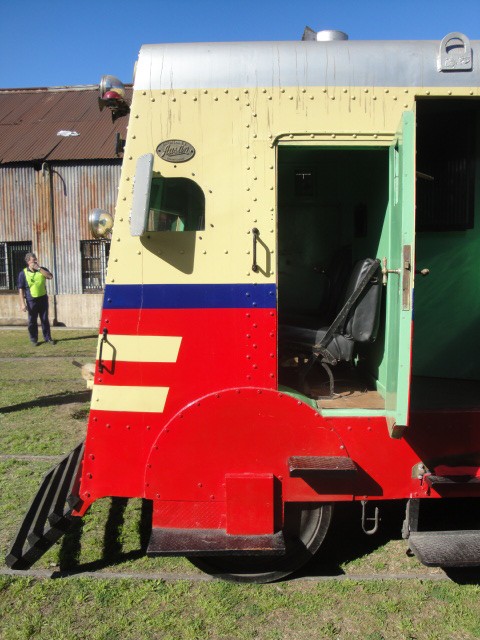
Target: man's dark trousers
x=38, y=307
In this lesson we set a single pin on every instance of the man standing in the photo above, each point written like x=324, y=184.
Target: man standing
x=33, y=297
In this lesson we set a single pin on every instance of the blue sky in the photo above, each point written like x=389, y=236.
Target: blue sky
x=61, y=42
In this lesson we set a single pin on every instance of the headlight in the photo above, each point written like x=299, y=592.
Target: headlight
x=100, y=223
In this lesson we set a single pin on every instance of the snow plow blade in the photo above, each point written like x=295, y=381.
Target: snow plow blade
x=50, y=514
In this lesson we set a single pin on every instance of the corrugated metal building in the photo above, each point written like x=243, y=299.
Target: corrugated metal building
x=60, y=157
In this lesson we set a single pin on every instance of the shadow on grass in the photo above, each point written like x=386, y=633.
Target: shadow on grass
x=93, y=335
x=464, y=575
x=112, y=554
x=344, y=543
x=48, y=401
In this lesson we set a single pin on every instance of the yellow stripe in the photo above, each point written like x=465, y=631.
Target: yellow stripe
x=140, y=348
x=141, y=399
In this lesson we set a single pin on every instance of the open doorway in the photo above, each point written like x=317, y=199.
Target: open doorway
x=333, y=211
x=446, y=346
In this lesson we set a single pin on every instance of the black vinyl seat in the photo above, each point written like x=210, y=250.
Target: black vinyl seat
x=356, y=322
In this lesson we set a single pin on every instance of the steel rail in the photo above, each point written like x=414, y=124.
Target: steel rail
x=171, y=576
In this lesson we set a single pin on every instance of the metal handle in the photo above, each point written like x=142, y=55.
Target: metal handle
x=386, y=271
x=100, y=355
x=405, y=272
x=455, y=53
x=255, y=233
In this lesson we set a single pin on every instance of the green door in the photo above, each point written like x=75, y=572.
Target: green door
x=399, y=289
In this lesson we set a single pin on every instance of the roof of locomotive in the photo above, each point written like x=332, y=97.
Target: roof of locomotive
x=387, y=63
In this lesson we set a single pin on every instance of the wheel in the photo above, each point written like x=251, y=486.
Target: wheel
x=304, y=530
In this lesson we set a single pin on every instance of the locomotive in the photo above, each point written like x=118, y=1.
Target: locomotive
x=261, y=356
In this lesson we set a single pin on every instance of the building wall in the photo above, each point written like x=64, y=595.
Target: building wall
x=69, y=310
x=48, y=204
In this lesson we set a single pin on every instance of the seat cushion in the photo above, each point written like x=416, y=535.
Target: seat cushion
x=303, y=340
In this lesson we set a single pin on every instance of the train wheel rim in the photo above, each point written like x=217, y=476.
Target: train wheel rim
x=305, y=528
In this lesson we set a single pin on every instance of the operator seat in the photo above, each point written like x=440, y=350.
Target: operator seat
x=356, y=322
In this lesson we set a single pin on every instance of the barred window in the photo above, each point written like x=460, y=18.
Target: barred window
x=94, y=264
x=12, y=261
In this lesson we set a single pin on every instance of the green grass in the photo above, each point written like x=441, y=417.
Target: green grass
x=43, y=411
x=137, y=609
x=43, y=406
x=15, y=344
x=44, y=401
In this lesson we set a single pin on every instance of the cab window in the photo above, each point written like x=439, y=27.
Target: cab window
x=176, y=204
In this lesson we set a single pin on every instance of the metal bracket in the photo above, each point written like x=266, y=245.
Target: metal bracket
x=455, y=53
x=375, y=519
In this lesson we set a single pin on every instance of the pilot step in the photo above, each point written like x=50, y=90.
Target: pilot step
x=446, y=548
x=336, y=466
x=212, y=542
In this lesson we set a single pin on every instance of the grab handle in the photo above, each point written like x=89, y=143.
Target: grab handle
x=455, y=53
x=100, y=355
x=255, y=233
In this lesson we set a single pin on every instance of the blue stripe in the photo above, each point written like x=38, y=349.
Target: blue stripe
x=189, y=296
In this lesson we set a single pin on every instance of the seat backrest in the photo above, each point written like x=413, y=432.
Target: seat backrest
x=363, y=320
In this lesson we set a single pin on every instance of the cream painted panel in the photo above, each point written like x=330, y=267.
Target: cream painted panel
x=129, y=398
x=235, y=133
x=141, y=348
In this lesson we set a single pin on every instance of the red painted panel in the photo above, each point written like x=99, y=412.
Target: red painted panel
x=250, y=503
x=206, y=432
x=174, y=322
x=220, y=348
x=188, y=515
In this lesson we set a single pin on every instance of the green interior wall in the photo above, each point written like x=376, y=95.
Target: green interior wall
x=312, y=228
x=447, y=301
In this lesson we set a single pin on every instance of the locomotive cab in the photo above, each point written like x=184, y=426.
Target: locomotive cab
x=257, y=361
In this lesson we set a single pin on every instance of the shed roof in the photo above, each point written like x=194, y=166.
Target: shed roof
x=31, y=119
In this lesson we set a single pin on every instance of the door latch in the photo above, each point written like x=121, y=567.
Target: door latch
x=386, y=271
x=405, y=272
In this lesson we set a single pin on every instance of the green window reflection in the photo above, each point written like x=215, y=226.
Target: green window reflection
x=176, y=204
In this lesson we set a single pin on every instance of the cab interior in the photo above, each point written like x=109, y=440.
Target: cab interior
x=333, y=205
x=334, y=209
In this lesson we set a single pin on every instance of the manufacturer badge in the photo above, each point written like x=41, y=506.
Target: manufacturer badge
x=175, y=151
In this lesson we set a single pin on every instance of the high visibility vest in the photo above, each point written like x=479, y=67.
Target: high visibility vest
x=36, y=283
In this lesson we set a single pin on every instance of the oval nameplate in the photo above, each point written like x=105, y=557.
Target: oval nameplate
x=175, y=150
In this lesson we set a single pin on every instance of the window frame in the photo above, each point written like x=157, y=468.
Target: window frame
x=99, y=252
x=12, y=260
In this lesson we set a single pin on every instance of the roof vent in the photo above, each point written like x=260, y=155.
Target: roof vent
x=331, y=34
x=323, y=36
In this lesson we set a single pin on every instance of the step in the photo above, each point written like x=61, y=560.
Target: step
x=39, y=521
x=212, y=542
x=49, y=514
x=324, y=466
x=452, y=481
x=446, y=548
x=64, y=500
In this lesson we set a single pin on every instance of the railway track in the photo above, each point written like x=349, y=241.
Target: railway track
x=172, y=576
